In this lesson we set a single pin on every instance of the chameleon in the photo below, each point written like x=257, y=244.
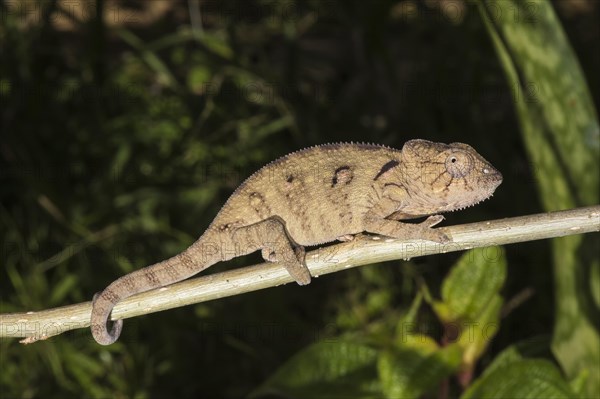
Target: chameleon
x=318, y=195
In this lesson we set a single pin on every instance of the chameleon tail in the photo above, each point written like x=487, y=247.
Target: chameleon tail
x=180, y=267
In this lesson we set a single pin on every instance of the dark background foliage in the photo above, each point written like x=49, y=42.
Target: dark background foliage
x=126, y=125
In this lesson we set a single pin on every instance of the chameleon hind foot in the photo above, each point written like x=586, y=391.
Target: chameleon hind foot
x=271, y=237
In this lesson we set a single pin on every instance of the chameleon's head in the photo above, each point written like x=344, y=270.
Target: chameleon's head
x=446, y=177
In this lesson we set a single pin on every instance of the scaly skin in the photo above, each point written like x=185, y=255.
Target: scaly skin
x=319, y=195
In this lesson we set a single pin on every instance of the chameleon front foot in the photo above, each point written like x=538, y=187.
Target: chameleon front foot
x=429, y=234
x=408, y=231
x=434, y=234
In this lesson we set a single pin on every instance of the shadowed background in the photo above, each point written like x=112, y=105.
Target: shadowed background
x=126, y=125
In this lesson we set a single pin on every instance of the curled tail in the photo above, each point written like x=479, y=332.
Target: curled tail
x=193, y=260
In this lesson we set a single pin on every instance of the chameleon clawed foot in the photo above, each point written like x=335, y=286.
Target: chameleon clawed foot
x=292, y=258
x=298, y=269
x=276, y=246
x=407, y=231
x=433, y=234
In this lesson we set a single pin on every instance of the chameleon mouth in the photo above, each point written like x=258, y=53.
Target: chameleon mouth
x=491, y=180
x=473, y=204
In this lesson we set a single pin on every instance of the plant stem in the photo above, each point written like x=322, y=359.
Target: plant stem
x=363, y=250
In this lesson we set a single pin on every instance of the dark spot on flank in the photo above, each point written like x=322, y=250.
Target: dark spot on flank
x=389, y=165
x=343, y=174
x=258, y=203
x=225, y=227
x=290, y=179
x=256, y=199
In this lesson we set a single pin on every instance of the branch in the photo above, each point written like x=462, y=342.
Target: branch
x=363, y=250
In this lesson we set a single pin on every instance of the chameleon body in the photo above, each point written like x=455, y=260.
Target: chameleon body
x=318, y=195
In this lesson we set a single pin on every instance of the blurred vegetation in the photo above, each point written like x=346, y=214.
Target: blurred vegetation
x=125, y=125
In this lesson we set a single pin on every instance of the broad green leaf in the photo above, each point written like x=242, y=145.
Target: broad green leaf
x=579, y=383
x=558, y=120
x=470, y=305
x=417, y=341
x=523, y=379
x=531, y=349
x=472, y=283
x=409, y=372
x=536, y=347
x=327, y=370
x=476, y=335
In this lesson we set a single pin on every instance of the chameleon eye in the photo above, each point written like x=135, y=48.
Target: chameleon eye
x=459, y=164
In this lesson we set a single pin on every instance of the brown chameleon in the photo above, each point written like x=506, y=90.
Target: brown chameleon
x=318, y=195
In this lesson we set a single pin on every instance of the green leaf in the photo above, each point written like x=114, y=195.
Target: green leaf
x=63, y=288
x=470, y=305
x=217, y=44
x=119, y=161
x=199, y=79
x=150, y=57
x=476, y=335
x=535, y=347
x=265, y=130
x=513, y=373
x=409, y=372
x=407, y=322
x=340, y=369
x=472, y=283
x=523, y=379
x=579, y=383
x=558, y=120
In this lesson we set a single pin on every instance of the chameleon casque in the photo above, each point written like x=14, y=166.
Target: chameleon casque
x=318, y=195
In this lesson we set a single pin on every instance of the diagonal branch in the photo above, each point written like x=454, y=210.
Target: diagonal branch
x=363, y=250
